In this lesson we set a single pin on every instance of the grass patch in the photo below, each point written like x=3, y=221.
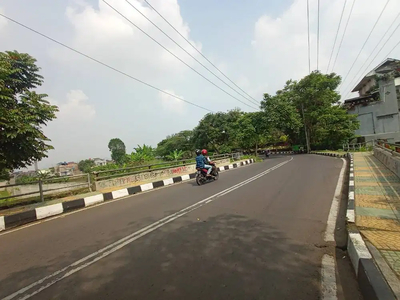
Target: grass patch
x=4, y=194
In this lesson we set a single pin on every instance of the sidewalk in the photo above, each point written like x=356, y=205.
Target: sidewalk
x=377, y=206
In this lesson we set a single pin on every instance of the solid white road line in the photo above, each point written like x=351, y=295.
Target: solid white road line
x=48, y=281
x=330, y=227
x=98, y=204
x=328, y=278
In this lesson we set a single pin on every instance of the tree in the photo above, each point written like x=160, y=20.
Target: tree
x=175, y=155
x=182, y=141
x=326, y=121
x=217, y=131
x=23, y=112
x=252, y=130
x=335, y=127
x=142, y=154
x=118, y=150
x=86, y=165
x=317, y=94
x=281, y=112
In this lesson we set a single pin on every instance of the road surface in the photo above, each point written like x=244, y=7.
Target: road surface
x=256, y=233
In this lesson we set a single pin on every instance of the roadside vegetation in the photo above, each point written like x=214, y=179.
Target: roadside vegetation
x=309, y=107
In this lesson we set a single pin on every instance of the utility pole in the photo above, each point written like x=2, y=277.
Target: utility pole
x=305, y=130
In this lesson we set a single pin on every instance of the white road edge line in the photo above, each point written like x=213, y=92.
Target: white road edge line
x=328, y=278
x=95, y=256
x=330, y=226
x=101, y=203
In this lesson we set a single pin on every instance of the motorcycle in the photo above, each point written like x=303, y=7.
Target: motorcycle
x=201, y=175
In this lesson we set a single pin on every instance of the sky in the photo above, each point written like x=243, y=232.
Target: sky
x=257, y=44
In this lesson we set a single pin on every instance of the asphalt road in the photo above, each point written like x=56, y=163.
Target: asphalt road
x=236, y=238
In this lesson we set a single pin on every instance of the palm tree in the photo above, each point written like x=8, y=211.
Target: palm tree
x=175, y=155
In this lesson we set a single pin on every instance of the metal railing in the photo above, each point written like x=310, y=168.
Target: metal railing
x=115, y=173
x=45, y=186
x=357, y=146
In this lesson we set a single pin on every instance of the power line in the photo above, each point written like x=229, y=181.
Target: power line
x=380, y=50
x=177, y=57
x=187, y=52
x=344, y=33
x=308, y=36
x=177, y=31
x=376, y=46
x=104, y=64
x=369, y=35
x=337, y=32
x=318, y=38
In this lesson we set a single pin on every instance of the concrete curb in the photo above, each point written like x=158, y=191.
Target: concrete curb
x=329, y=154
x=22, y=218
x=282, y=152
x=350, y=214
x=371, y=281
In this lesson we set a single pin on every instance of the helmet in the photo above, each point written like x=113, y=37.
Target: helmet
x=198, y=152
x=204, y=152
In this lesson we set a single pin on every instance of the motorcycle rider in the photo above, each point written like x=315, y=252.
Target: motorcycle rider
x=204, y=152
x=208, y=160
x=202, y=162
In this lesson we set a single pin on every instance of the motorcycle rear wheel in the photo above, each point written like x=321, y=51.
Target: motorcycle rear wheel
x=199, y=179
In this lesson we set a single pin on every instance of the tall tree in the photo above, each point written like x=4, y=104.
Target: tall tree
x=179, y=141
x=118, y=150
x=217, y=131
x=281, y=112
x=23, y=112
x=86, y=165
x=317, y=94
x=252, y=130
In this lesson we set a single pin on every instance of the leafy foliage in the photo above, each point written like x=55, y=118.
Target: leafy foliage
x=23, y=112
x=327, y=123
x=118, y=150
x=141, y=154
x=252, y=130
x=86, y=165
x=217, y=131
x=175, y=155
x=180, y=141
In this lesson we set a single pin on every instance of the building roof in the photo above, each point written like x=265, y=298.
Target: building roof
x=383, y=67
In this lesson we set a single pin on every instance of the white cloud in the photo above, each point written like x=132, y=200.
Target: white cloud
x=170, y=103
x=76, y=108
x=107, y=36
x=281, y=43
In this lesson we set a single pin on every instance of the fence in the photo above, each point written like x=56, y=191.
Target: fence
x=37, y=190
x=357, y=146
x=114, y=173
